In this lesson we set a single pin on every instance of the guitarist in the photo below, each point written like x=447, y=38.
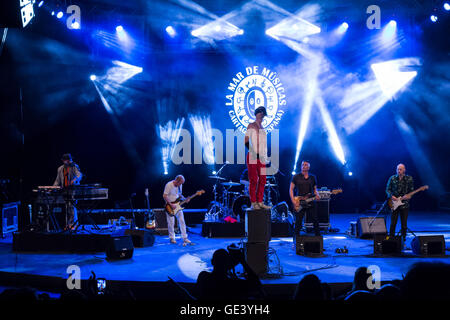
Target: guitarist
x=306, y=187
x=172, y=191
x=397, y=188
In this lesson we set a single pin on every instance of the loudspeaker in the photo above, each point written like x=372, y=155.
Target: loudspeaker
x=141, y=237
x=9, y=220
x=161, y=221
x=258, y=225
x=120, y=248
x=387, y=245
x=309, y=245
x=428, y=245
x=256, y=256
x=323, y=213
x=368, y=227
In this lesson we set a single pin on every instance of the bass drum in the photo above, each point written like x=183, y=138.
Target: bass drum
x=239, y=205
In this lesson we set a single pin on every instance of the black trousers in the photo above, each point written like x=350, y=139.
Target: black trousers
x=312, y=212
x=403, y=213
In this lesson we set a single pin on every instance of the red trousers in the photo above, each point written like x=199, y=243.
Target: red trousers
x=257, y=179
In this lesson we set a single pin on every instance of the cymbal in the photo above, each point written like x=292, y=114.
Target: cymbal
x=230, y=184
x=216, y=177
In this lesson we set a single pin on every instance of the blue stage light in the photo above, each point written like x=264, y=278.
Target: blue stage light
x=53, y=13
x=447, y=6
x=75, y=25
x=93, y=77
x=342, y=28
x=171, y=31
x=389, y=31
x=60, y=15
x=40, y=4
x=350, y=173
x=214, y=172
x=433, y=18
x=293, y=173
x=119, y=29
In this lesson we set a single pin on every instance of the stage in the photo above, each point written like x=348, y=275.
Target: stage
x=183, y=264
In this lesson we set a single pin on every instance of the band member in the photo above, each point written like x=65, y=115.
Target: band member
x=256, y=143
x=244, y=181
x=306, y=187
x=68, y=174
x=397, y=187
x=173, y=191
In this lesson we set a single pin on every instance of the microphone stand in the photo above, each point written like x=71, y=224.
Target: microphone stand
x=381, y=209
x=133, y=222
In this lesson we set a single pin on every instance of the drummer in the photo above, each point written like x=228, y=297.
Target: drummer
x=244, y=181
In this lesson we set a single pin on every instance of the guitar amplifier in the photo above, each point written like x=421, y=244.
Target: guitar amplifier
x=368, y=227
x=9, y=221
x=323, y=213
x=161, y=221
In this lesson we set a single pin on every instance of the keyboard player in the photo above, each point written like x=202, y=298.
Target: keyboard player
x=68, y=174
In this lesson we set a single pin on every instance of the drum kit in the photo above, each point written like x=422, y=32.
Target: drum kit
x=228, y=202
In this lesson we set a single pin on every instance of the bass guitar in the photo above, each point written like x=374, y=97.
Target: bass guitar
x=179, y=202
x=303, y=203
x=394, y=204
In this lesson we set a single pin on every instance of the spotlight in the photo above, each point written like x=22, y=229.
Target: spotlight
x=343, y=27
x=119, y=29
x=350, y=173
x=293, y=173
x=433, y=18
x=171, y=31
x=166, y=173
x=40, y=4
x=214, y=172
x=389, y=32
x=75, y=25
x=60, y=15
x=241, y=31
x=53, y=13
x=393, y=23
x=447, y=6
x=93, y=77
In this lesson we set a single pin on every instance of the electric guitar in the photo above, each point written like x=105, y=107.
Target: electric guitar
x=179, y=202
x=302, y=203
x=394, y=204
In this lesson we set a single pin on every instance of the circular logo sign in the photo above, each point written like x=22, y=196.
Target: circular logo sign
x=253, y=89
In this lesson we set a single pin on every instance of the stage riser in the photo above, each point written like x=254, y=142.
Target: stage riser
x=237, y=230
x=54, y=242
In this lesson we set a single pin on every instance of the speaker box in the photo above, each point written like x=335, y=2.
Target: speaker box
x=258, y=225
x=309, y=245
x=161, y=221
x=384, y=246
x=141, y=237
x=120, y=247
x=368, y=227
x=256, y=256
x=9, y=220
x=428, y=245
x=323, y=213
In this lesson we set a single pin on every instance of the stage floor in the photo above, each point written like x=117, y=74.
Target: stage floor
x=183, y=264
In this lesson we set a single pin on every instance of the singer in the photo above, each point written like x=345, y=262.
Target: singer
x=256, y=143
